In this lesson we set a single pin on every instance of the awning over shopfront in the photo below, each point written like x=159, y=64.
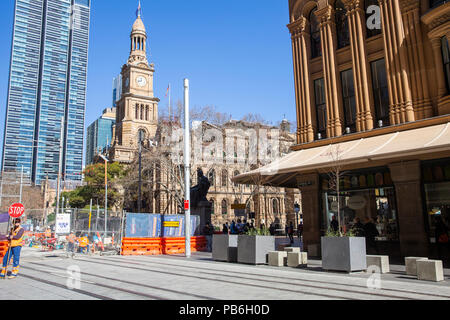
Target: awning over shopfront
x=355, y=153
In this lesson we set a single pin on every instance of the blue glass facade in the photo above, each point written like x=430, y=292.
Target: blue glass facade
x=48, y=74
x=99, y=135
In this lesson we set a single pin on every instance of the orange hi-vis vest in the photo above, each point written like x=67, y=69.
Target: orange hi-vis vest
x=84, y=242
x=71, y=238
x=18, y=242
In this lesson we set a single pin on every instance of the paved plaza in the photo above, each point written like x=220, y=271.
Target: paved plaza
x=52, y=275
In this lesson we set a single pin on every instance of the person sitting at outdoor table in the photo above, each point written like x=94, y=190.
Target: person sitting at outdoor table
x=358, y=228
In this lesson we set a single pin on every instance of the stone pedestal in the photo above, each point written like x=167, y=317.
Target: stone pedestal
x=430, y=270
x=203, y=209
x=411, y=265
x=381, y=262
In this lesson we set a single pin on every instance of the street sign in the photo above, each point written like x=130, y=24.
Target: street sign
x=239, y=212
x=186, y=204
x=62, y=223
x=171, y=224
x=16, y=210
x=238, y=206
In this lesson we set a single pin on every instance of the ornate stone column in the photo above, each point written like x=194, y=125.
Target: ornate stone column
x=407, y=180
x=416, y=61
x=333, y=91
x=301, y=54
x=438, y=64
x=396, y=63
x=363, y=92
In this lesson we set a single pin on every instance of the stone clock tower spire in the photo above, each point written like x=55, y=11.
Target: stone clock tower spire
x=137, y=109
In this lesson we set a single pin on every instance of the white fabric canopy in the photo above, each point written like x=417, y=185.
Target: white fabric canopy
x=398, y=144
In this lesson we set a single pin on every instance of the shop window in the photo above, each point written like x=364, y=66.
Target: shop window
x=446, y=61
x=348, y=97
x=316, y=48
x=343, y=34
x=373, y=18
x=358, y=200
x=380, y=92
x=321, y=107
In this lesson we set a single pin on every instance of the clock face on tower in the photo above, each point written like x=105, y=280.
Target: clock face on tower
x=141, y=81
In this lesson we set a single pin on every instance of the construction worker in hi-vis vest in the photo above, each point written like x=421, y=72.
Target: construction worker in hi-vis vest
x=15, y=246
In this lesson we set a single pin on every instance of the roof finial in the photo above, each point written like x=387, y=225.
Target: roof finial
x=138, y=11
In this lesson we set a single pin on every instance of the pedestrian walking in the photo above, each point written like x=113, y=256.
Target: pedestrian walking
x=208, y=231
x=291, y=232
x=300, y=231
x=71, y=238
x=15, y=238
x=334, y=224
x=233, y=227
x=371, y=231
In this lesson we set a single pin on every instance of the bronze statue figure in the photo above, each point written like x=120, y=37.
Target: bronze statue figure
x=199, y=192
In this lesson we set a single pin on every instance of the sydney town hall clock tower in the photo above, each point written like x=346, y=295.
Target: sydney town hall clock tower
x=137, y=109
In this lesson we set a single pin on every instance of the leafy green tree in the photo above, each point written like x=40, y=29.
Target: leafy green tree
x=94, y=188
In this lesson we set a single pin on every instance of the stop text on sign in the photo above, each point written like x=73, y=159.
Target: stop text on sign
x=16, y=210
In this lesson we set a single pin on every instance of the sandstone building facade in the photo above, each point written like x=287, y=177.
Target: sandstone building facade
x=372, y=84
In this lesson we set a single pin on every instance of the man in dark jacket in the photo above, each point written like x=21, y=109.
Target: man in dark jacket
x=370, y=231
x=208, y=231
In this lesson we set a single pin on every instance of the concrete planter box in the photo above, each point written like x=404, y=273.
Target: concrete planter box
x=253, y=249
x=344, y=253
x=224, y=247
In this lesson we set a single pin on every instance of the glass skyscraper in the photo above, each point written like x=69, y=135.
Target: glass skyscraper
x=47, y=81
x=100, y=134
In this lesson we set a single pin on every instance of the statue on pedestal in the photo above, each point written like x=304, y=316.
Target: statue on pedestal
x=199, y=192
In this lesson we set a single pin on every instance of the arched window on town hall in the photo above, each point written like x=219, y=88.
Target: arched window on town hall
x=373, y=18
x=224, y=207
x=275, y=207
x=343, y=34
x=212, y=177
x=316, y=49
x=235, y=174
x=224, y=178
x=212, y=205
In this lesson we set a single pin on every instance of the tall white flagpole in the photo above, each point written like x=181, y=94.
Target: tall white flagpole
x=170, y=119
x=187, y=170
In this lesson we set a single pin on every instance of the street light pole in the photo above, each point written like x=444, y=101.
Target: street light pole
x=187, y=171
x=21, y=179
x=106, y=193
x=61, y=142
x=140, y=175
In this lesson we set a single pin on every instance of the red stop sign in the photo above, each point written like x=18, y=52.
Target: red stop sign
x=16, y=210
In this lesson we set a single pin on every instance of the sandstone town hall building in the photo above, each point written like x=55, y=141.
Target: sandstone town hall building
x=372, y=85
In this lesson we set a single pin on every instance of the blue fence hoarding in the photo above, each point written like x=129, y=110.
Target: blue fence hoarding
x=173, y=232
x=143, y=225
x=152, y=226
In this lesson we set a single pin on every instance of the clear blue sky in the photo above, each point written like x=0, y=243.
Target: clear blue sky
x=236, y=53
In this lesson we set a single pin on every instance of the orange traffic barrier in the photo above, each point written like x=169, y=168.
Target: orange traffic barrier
x=157, y=246
x=3, y=248
x=141, y=246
